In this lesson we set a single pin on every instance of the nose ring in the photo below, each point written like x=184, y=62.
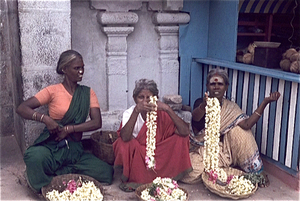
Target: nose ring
x=80, y=71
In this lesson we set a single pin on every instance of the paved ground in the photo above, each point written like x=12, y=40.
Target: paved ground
x=14, y=187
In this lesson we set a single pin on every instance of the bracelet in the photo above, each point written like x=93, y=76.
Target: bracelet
x=257, y=113
x=41, y=119
x=34, y=116
x=67, y=129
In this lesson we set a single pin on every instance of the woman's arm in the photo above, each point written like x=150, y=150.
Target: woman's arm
x=94, y=123
x=26, y=110
x=127, y=130
x=182, y=128
x=248, y=123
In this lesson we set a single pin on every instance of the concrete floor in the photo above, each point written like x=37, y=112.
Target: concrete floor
x=14, y=187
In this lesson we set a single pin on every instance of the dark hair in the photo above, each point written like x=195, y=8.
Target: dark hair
x=65, y=59
x=219, y=72
x=145, y=84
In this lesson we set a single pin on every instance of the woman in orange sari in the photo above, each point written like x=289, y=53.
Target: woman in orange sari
x=172, y=141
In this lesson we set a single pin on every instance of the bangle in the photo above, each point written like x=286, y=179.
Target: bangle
x=67, y=129
x=257, y=113
x=41, y=119
x=34, y=116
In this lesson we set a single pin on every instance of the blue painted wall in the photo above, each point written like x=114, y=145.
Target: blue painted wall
x=211, y=32
x=222, y=31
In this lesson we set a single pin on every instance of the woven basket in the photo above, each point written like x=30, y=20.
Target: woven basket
x=102, y=145
x=139, y=190
x=57, y=183
x=220, y=189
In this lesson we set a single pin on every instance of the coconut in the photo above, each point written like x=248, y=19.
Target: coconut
x=295, y=67
x=295, y=57
x=290, y=52
x=285, y=64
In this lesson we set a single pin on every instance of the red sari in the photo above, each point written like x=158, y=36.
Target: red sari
x=171, y=153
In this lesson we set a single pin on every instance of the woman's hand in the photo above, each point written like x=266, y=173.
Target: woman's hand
x=52, y=125
x=274, y=96
x=161, y=106
x=144, y=107
x=62, y=133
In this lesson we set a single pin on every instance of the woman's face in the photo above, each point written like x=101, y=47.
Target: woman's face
x=143, y=96
x=74, y=72
x=217, y=87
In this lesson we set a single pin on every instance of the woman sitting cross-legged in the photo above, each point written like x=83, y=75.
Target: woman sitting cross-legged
x=171, y=140
x=58, y=150
x=237, y=143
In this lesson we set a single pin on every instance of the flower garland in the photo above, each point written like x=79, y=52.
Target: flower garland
x=237, y=185
x=163, y=189
x=151, y=133
x=212, y=135
x=76, y=191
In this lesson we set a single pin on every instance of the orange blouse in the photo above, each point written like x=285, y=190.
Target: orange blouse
x=58, y=100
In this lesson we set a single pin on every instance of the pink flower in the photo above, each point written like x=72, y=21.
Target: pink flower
x=147, y=159
x=175, y=184
x=158, y=190
x=229, y=178
x=71, y=186
x=213, y=176
x=169, y=191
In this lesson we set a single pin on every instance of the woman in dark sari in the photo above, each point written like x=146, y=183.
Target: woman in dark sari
x=58, y=150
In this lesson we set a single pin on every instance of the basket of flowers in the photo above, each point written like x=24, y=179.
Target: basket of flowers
x=161, y=189
x=73, y=187
x=232, y=184
x=102, y=145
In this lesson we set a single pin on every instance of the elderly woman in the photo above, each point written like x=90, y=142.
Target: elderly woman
x=58, y=150
x=172, y=141
x=237, y=144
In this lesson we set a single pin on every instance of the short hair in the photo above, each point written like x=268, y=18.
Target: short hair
x=145, y=84
x=220, y=72
x=65, y=59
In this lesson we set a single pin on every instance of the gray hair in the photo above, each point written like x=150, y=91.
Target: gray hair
x=145, y=84
x=219, y=72
x=65, y=59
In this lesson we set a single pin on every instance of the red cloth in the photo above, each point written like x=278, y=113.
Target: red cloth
x=171, y=153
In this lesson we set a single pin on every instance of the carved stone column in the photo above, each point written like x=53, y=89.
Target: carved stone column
x=116, y=25
x=168, y=30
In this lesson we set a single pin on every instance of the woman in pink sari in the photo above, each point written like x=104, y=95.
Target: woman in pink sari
x=172, y=141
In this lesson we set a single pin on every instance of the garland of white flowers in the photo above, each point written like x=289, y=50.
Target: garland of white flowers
x=212, y=135
x=163, y=189
x=151, y=133
x=88, y=191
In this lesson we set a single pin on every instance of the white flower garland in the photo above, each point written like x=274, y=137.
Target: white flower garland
x=240, y=186
x=151, y=133
x=212, y=135
x=88, y=191
x=163, y=189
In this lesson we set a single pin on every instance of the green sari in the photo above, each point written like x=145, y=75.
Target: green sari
x=46, y=158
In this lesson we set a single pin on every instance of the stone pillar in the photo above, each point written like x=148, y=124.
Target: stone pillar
x=45, y=32
x=116, y=25
x=167, y=26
